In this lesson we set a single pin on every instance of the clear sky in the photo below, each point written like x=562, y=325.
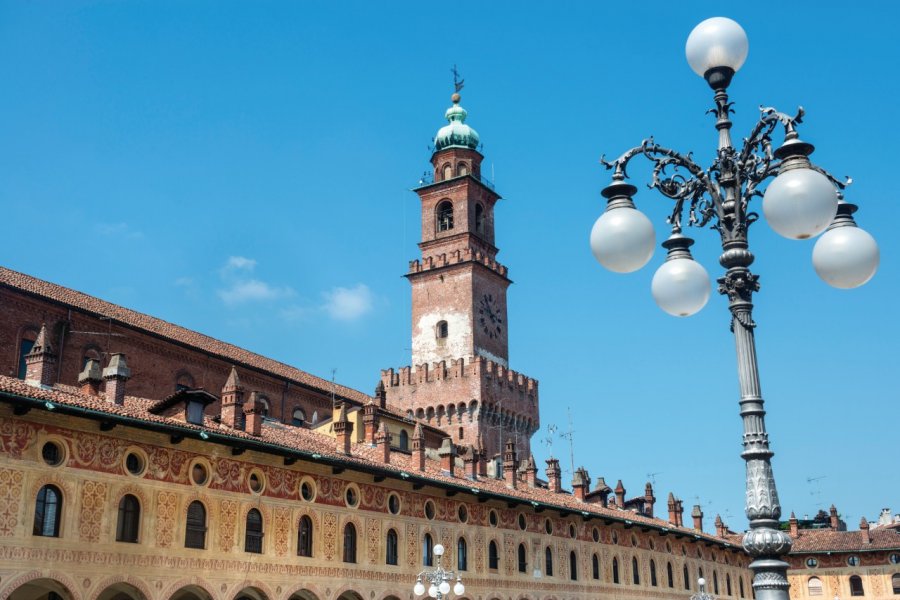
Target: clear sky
x=243, y=169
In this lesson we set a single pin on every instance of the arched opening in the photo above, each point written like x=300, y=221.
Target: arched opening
x=573, y=566
x=548, y=561
x=250, y=593
x=349, y=543
x=253, y=535
x=184, y=381
x=191, y=592
x=493, y=556
x=523, y=559
x=41, y=589
x=47, y=511
x=462, y=556
x=615, y=570
x=129, y=519
x=305, y=536
x=814, y=586
x=390, y=548
x=595, y=567
x=298, y=418
x=728, y=584
x=479, y=218
x=653, y=581
x=350, y=595
x=428, y=550
x=895, y=583
x=856, y=586
x=195, y=528
x=741, y=586
x=303, y=595
x=447, y=172
x=462, y=169
x=404, y=440
x=441, y=330
x=445, y=216
x=670, y=576
x=635, y=571
x=121, y=591
x=715, y=582
x=687, y=578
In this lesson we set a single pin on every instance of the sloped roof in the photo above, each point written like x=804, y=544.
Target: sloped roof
x=170, y=331
x=827, y=540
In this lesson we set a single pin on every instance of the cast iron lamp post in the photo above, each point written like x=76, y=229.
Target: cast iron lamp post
x=801, y=202
x=438, y=579
x=702, y=594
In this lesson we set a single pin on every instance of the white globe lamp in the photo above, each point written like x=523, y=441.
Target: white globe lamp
x=681, y=286
x=716, y=43
x=800, y=203
x=622, y=239
x=846, y=256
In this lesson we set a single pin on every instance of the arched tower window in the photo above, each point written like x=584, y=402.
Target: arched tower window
x=523, y=559
x=479, y=218
x=573, y=566
x=669, y=576
x=265, y=406
x=635, y=571
x=441, y=330
x=615, y=570
x=349, y=543
x=129, y=519
x=195, y=528
x=595, y=567
x=462, y=169
x=298, y=418
x=856, y=586
x=548, y=561
x=447, y=171
x=493, y=556
x=687, y=578
x=653, y=581
x=390, y=548
x=404, y=440
x=305, y=536
x=47, y=511
x=254, y=534
x=445, y=216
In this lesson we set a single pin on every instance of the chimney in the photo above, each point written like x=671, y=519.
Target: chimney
x=380, y=395
x=447, y=454
x=864, y=530
x=794, y=526
x=343, y=431
x=697, y=515
x=41, y=360
x=418, y=447
x=509, y=464
x=679, y=513
x=90, y=378
x=721, y=530
x=383, y=442
x=115, y=375
x=470, y=462
x=603, y=490
x=531, y=472
x=554, y=479
x=232, y=401
x=649, y=500
x=833, y=518
x=673, y=506
x=253, y=414
x=481, y=457
x=620, y=494
x=581, y=482
x=369, y=422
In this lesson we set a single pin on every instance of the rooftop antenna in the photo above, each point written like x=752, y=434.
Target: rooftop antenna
x=652, y=477
x=551, y=430
x=817, y=492
x=333, y=371
x=570, y=435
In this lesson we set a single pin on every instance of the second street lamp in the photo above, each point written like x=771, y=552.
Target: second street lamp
x=801, y=202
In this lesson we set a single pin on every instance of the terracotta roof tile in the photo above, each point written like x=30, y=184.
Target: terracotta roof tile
x=826, y=540
x=169, y=331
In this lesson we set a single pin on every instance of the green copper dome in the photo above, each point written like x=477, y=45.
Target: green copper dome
x=456, y=134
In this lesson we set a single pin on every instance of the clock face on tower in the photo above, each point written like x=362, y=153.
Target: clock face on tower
x=489, y=316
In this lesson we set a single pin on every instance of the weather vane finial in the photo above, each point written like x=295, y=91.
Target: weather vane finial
x=458, y=82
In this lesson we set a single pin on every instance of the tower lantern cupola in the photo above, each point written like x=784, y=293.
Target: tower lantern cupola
x=456, y=134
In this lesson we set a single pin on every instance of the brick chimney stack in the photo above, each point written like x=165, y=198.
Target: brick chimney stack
x=603, y=490
x=510, y=465
x=679, y=513
x=418, y=447
x=447, y=454
x=253, y=414
x=470, y=462
x=343, y=431
x=697, y=515
x=673, y=514
x=380, y=395
x=91, y=377
x=721, y=530
x=531, y=472
x=115, y=375
x=864, y=530
x=482, y=457
x=232, y=401
x=581, y=483
x=383, y=442
x=40, y=362
x=794, y=526
x=833, y=518
x=554, y=478
x=649, y=499
x=370, y=424
x=620, y=494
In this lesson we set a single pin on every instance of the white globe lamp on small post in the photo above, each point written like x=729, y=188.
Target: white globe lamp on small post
x=438, y=579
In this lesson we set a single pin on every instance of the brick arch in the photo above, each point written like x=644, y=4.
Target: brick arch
x=55, y=576
x=347, y=589
x=187, y=582
x=307, y=591
x=117, y=495
x=262, y=588
x=134, y=582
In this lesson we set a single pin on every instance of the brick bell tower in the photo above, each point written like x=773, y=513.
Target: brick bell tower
x=460, y=380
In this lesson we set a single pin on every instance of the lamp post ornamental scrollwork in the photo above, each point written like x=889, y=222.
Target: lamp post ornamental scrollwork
x=438, y=579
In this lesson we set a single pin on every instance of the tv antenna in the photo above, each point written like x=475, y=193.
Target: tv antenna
x=551, y=430
x=817, y=492
x=651, y=477
x=570, y=435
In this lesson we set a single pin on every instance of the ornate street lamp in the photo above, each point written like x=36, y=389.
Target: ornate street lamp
x=801, y=202
x=702, y=594
x=438, y=579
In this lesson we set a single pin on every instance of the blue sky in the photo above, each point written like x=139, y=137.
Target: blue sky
x=243, y=169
